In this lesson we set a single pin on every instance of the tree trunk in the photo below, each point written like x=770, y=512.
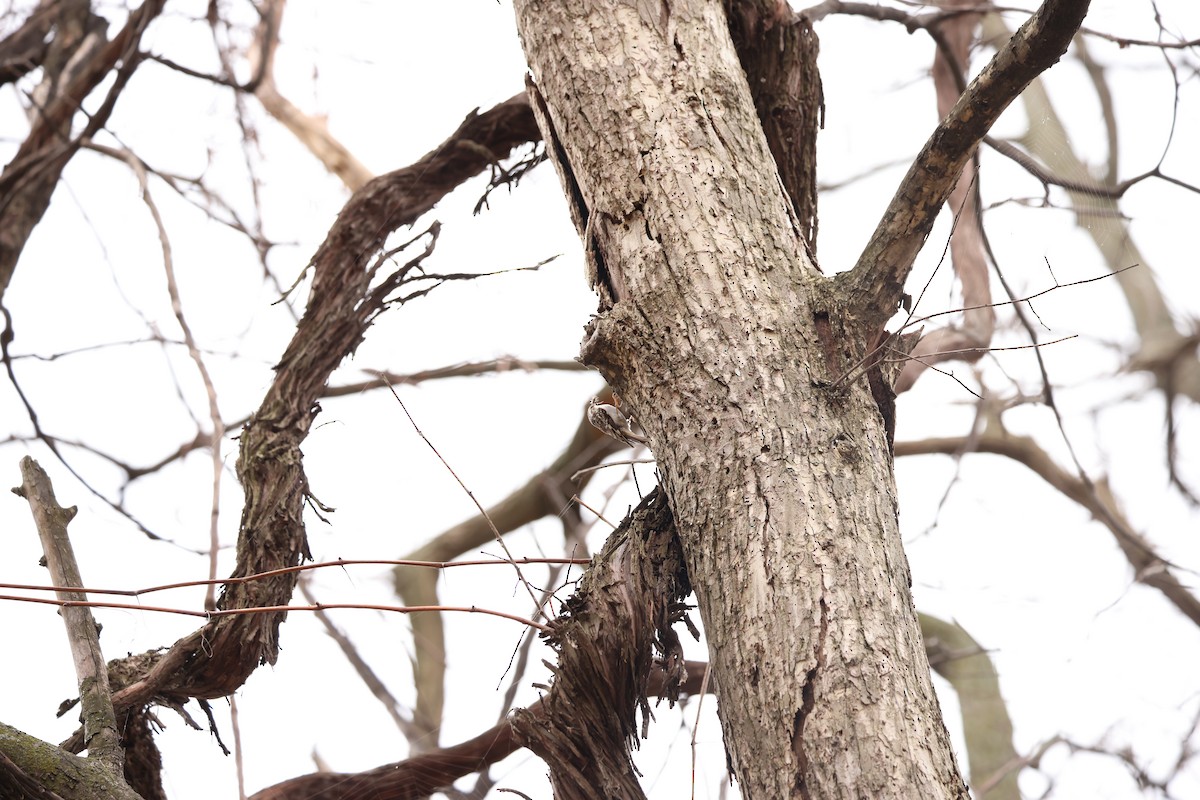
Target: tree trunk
x=732, y=350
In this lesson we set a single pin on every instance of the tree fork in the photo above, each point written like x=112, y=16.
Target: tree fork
x=780, y=478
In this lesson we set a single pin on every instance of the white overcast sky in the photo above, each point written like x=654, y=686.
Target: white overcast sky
x=1080, y=652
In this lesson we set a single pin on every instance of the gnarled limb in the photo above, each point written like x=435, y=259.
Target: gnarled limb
x=215, y=660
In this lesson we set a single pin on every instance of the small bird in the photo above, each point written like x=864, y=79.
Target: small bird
x=611, y=420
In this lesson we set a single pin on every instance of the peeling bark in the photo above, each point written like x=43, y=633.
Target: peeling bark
x=627, y=602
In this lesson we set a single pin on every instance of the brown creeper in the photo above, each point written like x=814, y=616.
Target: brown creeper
x=611, y=420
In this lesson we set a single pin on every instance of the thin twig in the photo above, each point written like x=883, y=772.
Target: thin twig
x=238, y=755
x=608, y=464
x=360, y=665
x=258, y=576
x=599, y=516
x=237, y=612
x=470, y=494
x=214, y=411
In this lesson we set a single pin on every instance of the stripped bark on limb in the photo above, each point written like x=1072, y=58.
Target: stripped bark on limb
x=83, y=634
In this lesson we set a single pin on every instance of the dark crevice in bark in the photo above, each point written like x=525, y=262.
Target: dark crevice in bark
x=798, y=733
x=778, y=52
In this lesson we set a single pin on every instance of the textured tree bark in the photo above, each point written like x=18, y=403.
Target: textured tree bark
x=730, y=348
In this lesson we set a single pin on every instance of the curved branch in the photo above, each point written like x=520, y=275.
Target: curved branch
x=987, y=727
x=422, y=775
x=542, y=496
x=215, y=660
x=1148, y=567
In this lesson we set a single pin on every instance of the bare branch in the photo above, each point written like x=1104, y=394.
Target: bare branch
x=421, y=775
x=342, y=304
x=540, y=497
x=29, y=179
x=987, y=727
x=310, y=130
x=217, y=434
x=966, y=341
x=99, y=721
x=1148, y=567
x=877, y=281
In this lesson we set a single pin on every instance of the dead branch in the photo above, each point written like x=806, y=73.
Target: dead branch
x=99, y=721
x=423, y=774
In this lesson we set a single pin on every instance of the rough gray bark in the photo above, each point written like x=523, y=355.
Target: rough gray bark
x=726, y=343
x=743, y=365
